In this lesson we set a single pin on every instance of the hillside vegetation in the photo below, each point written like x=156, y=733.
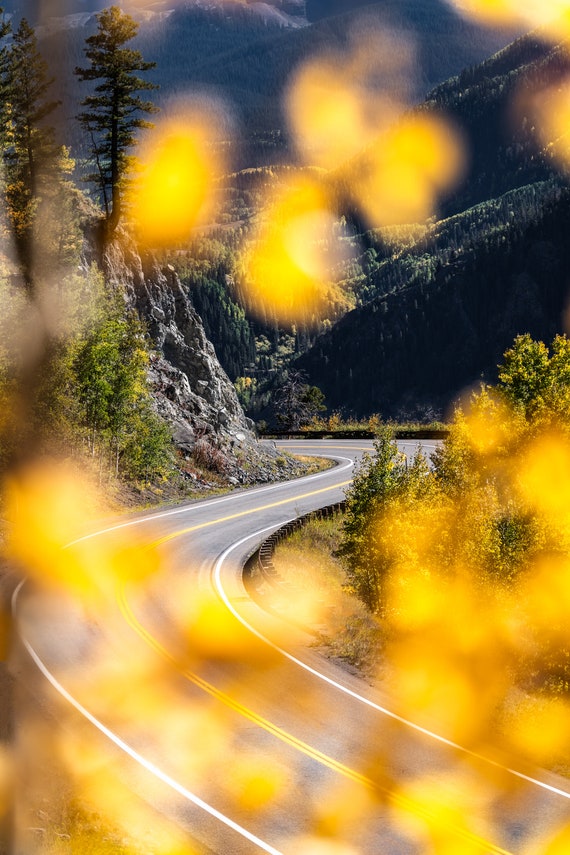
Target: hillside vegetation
x=430, y=307
x=442, y=302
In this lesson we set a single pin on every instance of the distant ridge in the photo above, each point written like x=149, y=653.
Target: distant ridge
x=231, y=52
x=319, y=9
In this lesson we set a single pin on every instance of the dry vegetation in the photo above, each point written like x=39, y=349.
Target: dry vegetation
x=306, y=563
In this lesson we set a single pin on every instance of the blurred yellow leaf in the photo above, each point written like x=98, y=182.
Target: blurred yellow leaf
x=407, y=169
x=172, y=192
x=289, y=266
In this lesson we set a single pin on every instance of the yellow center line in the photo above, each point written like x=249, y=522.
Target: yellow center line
x=401, y=801
x=287, y=738
x=239, y=514
x=325, y=444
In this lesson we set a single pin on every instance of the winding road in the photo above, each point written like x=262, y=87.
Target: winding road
x=225, y=722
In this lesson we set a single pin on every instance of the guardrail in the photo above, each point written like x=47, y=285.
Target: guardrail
x=428, y=433
x=260, y=567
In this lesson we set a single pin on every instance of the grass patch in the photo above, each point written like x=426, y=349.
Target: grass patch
x=316, y=595
x=314, y=464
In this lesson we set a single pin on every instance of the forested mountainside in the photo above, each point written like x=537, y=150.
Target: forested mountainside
x=180, y=44
x=247, y=59
x=492, y=103
x=440, y=305
x=509, y=186
x=414, y=350
x=252, y=73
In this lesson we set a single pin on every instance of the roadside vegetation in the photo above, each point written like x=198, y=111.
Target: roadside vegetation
x=307, y=561
x=73, y=358
x=451, y=577
x=372, y=426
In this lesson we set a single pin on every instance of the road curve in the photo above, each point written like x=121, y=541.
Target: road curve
x=225, y=720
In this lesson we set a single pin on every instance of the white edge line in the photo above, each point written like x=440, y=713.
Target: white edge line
x=201, y=504
x=255, y=491
x=138, y=758
x=355, y=695
x=134, y=755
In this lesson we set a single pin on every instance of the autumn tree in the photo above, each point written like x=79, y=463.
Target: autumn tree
x=109, y=368
x=535, y=378
x=112, y=111
x=381, y=480
x=466, y=510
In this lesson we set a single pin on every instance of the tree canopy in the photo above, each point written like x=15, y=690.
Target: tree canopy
x=536, y=379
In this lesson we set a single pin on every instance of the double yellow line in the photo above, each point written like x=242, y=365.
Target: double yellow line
x=198, y=526
x=396, y=799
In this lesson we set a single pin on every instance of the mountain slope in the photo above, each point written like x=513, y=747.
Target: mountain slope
x=229, y=50
x=414, y=350
x=491, y=103
x=257, y=74
x=442, y=311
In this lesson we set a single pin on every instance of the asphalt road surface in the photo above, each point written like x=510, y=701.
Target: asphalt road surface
x=224, y=721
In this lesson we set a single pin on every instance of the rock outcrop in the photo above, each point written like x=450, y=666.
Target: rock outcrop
x=190, y=388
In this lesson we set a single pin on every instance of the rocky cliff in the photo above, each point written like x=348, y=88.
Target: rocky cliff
x=191, y=390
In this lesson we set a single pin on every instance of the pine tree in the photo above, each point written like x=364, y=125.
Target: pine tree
x=5, y=30
x=29, y=150
x=111, y=114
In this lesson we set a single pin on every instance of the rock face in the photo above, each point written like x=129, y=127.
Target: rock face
x=190, y=388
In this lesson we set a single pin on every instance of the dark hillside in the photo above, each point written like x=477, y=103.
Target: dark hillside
x=438, y=313
x=445, y=42
x=503, y=147
x=502, y=144
x=417, y=348
x=180, y=44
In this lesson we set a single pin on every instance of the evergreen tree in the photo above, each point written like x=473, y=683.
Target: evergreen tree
x=112, y=112
x=5, y=30
x=29, y=150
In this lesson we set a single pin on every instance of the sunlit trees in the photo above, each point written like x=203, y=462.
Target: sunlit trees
x=473, y=511
x=85, y=377
x=112, y=112
x=535, y=379
x=114, y=401
x=383, y=479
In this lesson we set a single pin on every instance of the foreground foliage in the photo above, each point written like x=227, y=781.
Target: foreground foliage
x=465, y=563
